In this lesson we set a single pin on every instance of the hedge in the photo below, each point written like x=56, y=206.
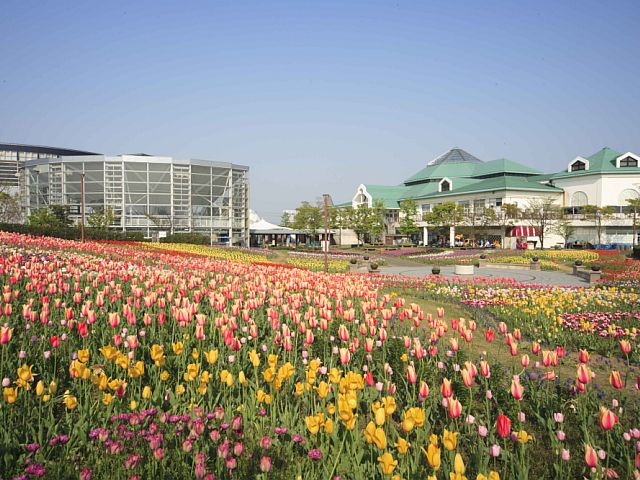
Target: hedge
x=72, y=233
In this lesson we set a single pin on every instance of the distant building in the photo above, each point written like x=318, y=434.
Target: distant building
x=13, y=156
x=147, y=193
x=606, y=178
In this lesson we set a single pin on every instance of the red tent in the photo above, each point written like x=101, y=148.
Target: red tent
x=524, y=231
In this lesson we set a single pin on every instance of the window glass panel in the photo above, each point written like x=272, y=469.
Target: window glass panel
x=135, y=187
x=160, y=199
x=159, y=177
x=159, y=187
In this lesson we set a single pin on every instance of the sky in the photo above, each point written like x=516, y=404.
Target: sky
x=318, y=97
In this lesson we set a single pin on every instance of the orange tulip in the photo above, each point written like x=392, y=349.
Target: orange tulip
x=412, y=376
x=454, y=407
x=584, y=373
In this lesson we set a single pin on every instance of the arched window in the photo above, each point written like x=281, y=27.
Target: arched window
x=627, y=194
x=628, y=162
x=578, y=165
x=579, y=199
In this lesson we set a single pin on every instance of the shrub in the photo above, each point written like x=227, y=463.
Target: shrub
x=191, y=238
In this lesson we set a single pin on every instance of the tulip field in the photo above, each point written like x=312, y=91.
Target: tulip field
x=135, y=361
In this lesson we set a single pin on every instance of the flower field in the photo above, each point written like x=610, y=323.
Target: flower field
x=122, y=361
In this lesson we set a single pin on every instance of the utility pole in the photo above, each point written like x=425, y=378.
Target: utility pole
x=82, y=207
x=326, y=232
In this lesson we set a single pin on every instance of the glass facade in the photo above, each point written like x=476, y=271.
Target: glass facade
x=148, y=194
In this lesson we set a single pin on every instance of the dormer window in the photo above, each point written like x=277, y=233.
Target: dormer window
x=628, y=162
x=445, y=185
x=578, y=165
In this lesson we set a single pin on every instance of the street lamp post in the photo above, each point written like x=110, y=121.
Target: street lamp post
x=82, y=207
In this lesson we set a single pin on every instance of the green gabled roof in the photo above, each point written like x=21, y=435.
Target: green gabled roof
x=500, y=183
x=502, y=165
x=603, y=161
x=390, y=195
x=342, y=205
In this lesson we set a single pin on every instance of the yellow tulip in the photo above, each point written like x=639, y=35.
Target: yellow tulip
x=313, y=424
x=449, y=439
x=523, y=437
x=157, y=353
x=192, y=372
x=53, y=387
x=39, y=388
x=146, y=392
x=178, y=348
x=433, y=455
x=107, y=398
x=164, y=376
x=334, y=376
x=328, y=426
x=70, y=401
x=323, y=389
x=387, y=463
x=255, y=358
x=109, y=352
x=83, y=356
x=180, y=389
x=402, y=445
x=10, y=394
x=24, y=373
x=211, y=356
x=133, y=405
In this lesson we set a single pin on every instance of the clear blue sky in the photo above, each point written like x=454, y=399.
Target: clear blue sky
x=317, y=97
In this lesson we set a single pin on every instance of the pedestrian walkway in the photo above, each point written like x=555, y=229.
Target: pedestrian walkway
x=526, y=276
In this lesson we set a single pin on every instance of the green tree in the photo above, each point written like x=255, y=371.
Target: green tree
x=598, y=215
x=408, y=211
x=285, y=220
x=61, y=212
x=9, y=208
x=308, y=218
x=375, y=221
x=43, y=218
x=542, y=213
x=447, y=214
x=102, y=219
x=634, y=207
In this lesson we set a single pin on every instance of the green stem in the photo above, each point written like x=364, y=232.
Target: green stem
x=335, y=464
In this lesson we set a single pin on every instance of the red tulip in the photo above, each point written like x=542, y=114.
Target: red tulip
x=524, y=360
x=484, y=369
x=584, y=374
x=55, y=341
x=608, y=419
x=446, y=388
x=412, y=376
x=467, y=378
x=454, y=407
x=535, y=347
x=5, y=334
x=583, y=356
x=503, y=424
x=625, y=346
x=615, y=380
x=424, y=390
x=590, y=456
x=489, y=335
x=517, y=390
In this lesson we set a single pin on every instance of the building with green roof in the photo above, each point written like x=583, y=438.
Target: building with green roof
x=605, y=178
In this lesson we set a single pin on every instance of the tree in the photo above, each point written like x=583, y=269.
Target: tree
x=43, y=218
x=408, y=211
x=634, y=206
x=598, y=215
x=9, y=208
x=308, y=218
x=447, y=214
x=61, y=212
x=565, y=229
x=375, y=221
x=285, y=220
x=102, y=219
x=541, y=213
x=505, y=217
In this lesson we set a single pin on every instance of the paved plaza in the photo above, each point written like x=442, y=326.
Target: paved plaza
x=527, y=276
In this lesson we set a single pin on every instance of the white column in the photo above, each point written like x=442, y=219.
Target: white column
x=452, y=236
x=425, y=236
